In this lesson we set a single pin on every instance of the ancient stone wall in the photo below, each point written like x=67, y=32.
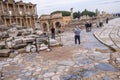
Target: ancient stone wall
x=55, y=20
x=23, y=14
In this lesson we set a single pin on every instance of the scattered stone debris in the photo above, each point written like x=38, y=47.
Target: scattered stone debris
x=16, y=38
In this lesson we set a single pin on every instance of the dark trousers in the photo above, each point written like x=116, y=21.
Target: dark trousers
x=53, y=35
x=106, y=22
x=100, y=24
x=77, y=38
x=88, y=29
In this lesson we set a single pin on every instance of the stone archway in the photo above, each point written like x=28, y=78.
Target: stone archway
x=58, y=25
x=44, y=26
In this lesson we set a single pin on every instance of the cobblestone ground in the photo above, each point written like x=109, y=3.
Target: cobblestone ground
x=90, y=60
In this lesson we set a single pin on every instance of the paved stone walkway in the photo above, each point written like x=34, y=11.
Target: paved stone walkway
x=82, y=64
x=87, y=61
x=87, y=40
x=110, y=34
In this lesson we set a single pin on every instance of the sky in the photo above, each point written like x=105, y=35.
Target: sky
x=48, y=6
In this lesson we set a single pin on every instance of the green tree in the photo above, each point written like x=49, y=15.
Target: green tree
x=89, y=13
x=64, y=13
x=76, y=14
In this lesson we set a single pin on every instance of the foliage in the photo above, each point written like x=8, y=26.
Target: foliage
x=64, y=13
x=89, y=13
x=76, y=14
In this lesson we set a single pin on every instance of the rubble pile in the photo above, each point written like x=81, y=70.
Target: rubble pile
x=17, y=37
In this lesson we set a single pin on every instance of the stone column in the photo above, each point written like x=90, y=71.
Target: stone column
x=19, y=9
x=32, y=10
x=14, y=12
x=34, y=20
x=20, y=21
x=26, y=21
x=41, y=24
x=0, y=4
x=1, y=12
x=28, y=9
x=7, y=8
x=5, y=21
x=17, y=20
x=35, y=10
x=71, y=13
x=10, y=19
x=2, y=8
x=24, y=9
x=30, y=22
x=48, y=26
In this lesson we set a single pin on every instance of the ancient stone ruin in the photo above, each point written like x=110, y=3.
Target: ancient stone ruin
x=29, y=39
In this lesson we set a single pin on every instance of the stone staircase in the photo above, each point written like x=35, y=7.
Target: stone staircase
x=110, y=34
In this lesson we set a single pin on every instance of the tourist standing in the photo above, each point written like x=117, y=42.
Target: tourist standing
x=53, y=33
x=101, y=23
x=97, y=24
x=87, y=27
x=107, y=21
x=77, y=35
x=90, y=26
